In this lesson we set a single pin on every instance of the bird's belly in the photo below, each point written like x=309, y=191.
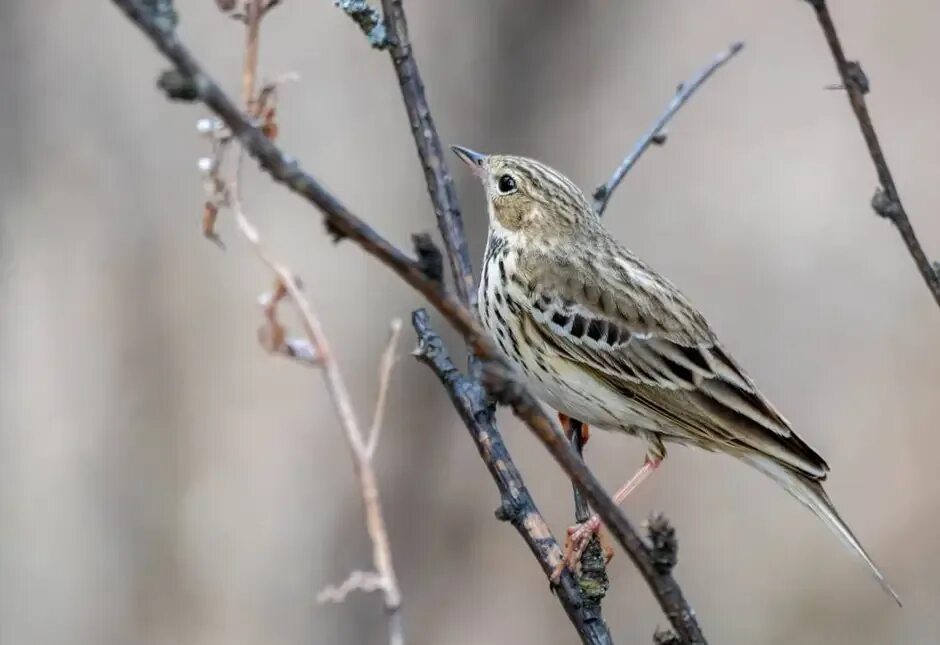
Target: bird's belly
x=569, y=389
x=580, y=396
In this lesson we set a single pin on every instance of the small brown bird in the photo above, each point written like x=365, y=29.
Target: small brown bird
x=603, y=338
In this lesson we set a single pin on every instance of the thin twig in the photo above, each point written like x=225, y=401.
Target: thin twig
x=362, y=459
x=385, y=376
x=516, y=506
x=357, y=581
x=886, y=201
x=603, y=193
x=500, y=380
x=253, y=22
x=254, y=11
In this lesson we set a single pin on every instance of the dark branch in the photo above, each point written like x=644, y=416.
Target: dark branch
x=429, y=257
x=436, y=174
x=517, y=505
x=886, y=201
x=656, y=134
x=594, y=580
x=663, y=545
x=285, y=170
x=443, y=197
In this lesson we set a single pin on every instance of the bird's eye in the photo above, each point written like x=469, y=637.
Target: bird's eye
x=506, y=185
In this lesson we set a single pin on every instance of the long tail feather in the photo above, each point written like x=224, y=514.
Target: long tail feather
x=812, y=495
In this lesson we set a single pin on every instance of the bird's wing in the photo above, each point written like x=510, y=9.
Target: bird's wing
x=637, y=333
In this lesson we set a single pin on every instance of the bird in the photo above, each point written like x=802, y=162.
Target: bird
x=603, y=338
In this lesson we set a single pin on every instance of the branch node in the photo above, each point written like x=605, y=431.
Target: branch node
x=430, y=260
x=368, y=19
x=334, y=231
x=664, y=548
x=885, y=205
x=178, y=86
x=665, y=637
x=857, y=76
x=509, y=510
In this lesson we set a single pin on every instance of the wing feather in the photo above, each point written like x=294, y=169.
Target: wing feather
x=657, y=349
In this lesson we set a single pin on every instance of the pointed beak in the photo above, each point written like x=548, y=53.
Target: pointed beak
x=471, y=158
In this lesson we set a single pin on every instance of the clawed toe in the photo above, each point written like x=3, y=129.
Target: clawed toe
x=578, y=537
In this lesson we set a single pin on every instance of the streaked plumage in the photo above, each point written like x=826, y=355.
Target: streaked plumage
x=605, y=339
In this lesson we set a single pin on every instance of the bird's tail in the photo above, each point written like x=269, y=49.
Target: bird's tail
x=810, y=492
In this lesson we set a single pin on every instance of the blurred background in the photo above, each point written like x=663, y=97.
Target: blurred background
x=163, y=480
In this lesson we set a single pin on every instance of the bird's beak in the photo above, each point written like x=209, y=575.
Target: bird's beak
x=471, y=158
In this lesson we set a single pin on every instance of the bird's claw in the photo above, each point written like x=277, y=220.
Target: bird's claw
x=576, y=541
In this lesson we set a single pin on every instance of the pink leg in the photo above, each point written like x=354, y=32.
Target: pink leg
x=651, y=464
x=580, y=534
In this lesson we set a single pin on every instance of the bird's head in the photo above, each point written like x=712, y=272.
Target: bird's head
x=528, y=199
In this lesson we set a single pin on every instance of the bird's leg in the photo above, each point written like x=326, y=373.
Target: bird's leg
x=568, y=427
x=580, y=534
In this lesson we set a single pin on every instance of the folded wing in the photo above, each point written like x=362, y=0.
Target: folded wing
x=640, y=336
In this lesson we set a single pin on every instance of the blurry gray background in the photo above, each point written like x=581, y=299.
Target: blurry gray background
x=163, y=480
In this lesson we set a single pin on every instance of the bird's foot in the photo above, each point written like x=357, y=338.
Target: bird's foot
x=577, y=540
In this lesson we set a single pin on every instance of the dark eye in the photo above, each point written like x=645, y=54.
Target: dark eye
x=506, y=185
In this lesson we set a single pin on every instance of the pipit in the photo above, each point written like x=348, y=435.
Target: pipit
x=602, y=338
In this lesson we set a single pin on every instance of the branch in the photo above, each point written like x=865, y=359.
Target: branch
x=343, y=223
x=383, y=579
x=517, y=506
x=440, y=184
x=886, y=200
x=656, y=134
x=385, y=377
x=593, y=562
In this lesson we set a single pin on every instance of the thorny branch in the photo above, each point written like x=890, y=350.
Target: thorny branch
x=657, y=133
x=498, y=377
x=886, y=201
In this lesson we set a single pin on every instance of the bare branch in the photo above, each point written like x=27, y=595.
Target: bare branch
x=500, y=380
x=593, y=562
x=440, y=184
x=886, y=201
x=362, y=459
x=357, y=581
x=385, y=373
x=656, y=134
x=250, y=67
x=517, y=506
